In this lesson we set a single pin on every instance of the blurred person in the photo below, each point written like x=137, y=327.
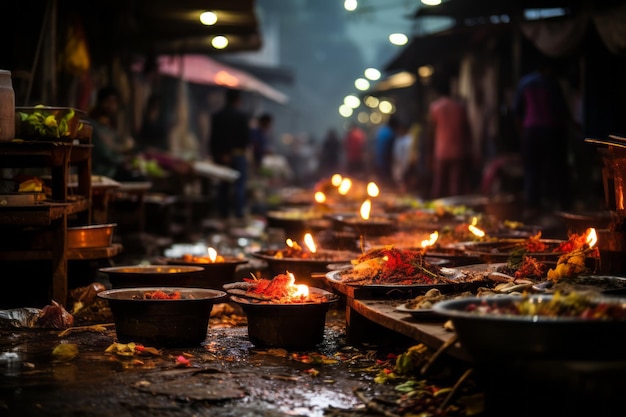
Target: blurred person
x=153, y=133
x=354, y=145
x=111, y=150
x=260, y=138
x=383, y=145
x=330, y=153
x=542, y=116
x=450, y=142
x=155, y=139
x=228, y=144
x=401, y=155
x=302, y=160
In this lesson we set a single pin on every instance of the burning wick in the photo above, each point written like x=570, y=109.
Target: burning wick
x=336, y=179
x=320, y=197
x=293, y=244
x=372, y=189
x=431, y=241
x=476, y=231
x=366, y=209
x=308, y=241
x=345, y=186
x=301, y=290
x=213, y=256
x=592, y=237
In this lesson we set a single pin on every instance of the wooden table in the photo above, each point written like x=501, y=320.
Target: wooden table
x=371, y=316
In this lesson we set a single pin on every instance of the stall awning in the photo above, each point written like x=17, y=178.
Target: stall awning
x=436, y=47
x=202, y=69
x=476, y=9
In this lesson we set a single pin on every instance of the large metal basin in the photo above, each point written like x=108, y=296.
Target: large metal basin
x=162, y=322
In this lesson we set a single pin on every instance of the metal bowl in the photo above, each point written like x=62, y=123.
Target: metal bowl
x=93, y=236
x=490, y=337
x=153, y=276
x=158, y=322
x=215, y=274
x=501, y=249
x=295, y=325
x=304, y=268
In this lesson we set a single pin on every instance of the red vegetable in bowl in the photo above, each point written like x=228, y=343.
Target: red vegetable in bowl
x=160, y=295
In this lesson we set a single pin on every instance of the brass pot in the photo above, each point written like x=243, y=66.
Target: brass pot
x=93, y=236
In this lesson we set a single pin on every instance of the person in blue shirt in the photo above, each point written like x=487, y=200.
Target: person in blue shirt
x=383, y=150
x=260, y=139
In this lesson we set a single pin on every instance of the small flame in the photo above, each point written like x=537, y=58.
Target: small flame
x=474, y=221
x=336, y=179
x=289, y=242
x=476, y=231
x=592, y=237
x=431, y=241
x=320, y=197
x=301, y=291
x=372, y=189
x=345, y=186
x=212, y=254
x=308, y=241
x=366, y=208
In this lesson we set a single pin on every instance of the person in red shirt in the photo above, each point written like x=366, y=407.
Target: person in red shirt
x=450, y=140
x=355, y=150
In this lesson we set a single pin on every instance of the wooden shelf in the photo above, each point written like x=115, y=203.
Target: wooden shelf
x=41, y=214
x=60, y=158
x=77, y=254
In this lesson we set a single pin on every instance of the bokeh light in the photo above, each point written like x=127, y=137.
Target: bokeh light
x=399, y=39
x=219, y=42
x=372, y=74
x=361, y=84
x=208, y=18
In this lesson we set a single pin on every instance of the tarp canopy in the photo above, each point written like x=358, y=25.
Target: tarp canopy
x=202, y=69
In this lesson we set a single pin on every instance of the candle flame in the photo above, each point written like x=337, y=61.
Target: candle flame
x=289, y=242
x=336, y=180
x=372, y=189
x=296, y=290
x=308, y=241
x=592, y=237
x=320, y=197
x=212, y=254
x=366, y=208
x=345, y=186
x=301, y=291
x=476, y=231
x=430, y=241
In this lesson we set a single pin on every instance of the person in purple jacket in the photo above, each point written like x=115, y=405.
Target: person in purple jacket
x=543, y=118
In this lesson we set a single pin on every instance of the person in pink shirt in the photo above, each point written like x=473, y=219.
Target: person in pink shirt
x=543, y=119
x=450, y=140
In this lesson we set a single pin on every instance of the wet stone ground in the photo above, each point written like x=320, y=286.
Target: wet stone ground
x=225, y=376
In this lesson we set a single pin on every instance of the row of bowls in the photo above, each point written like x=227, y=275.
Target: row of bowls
x=166, y=322
x=184, y=322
